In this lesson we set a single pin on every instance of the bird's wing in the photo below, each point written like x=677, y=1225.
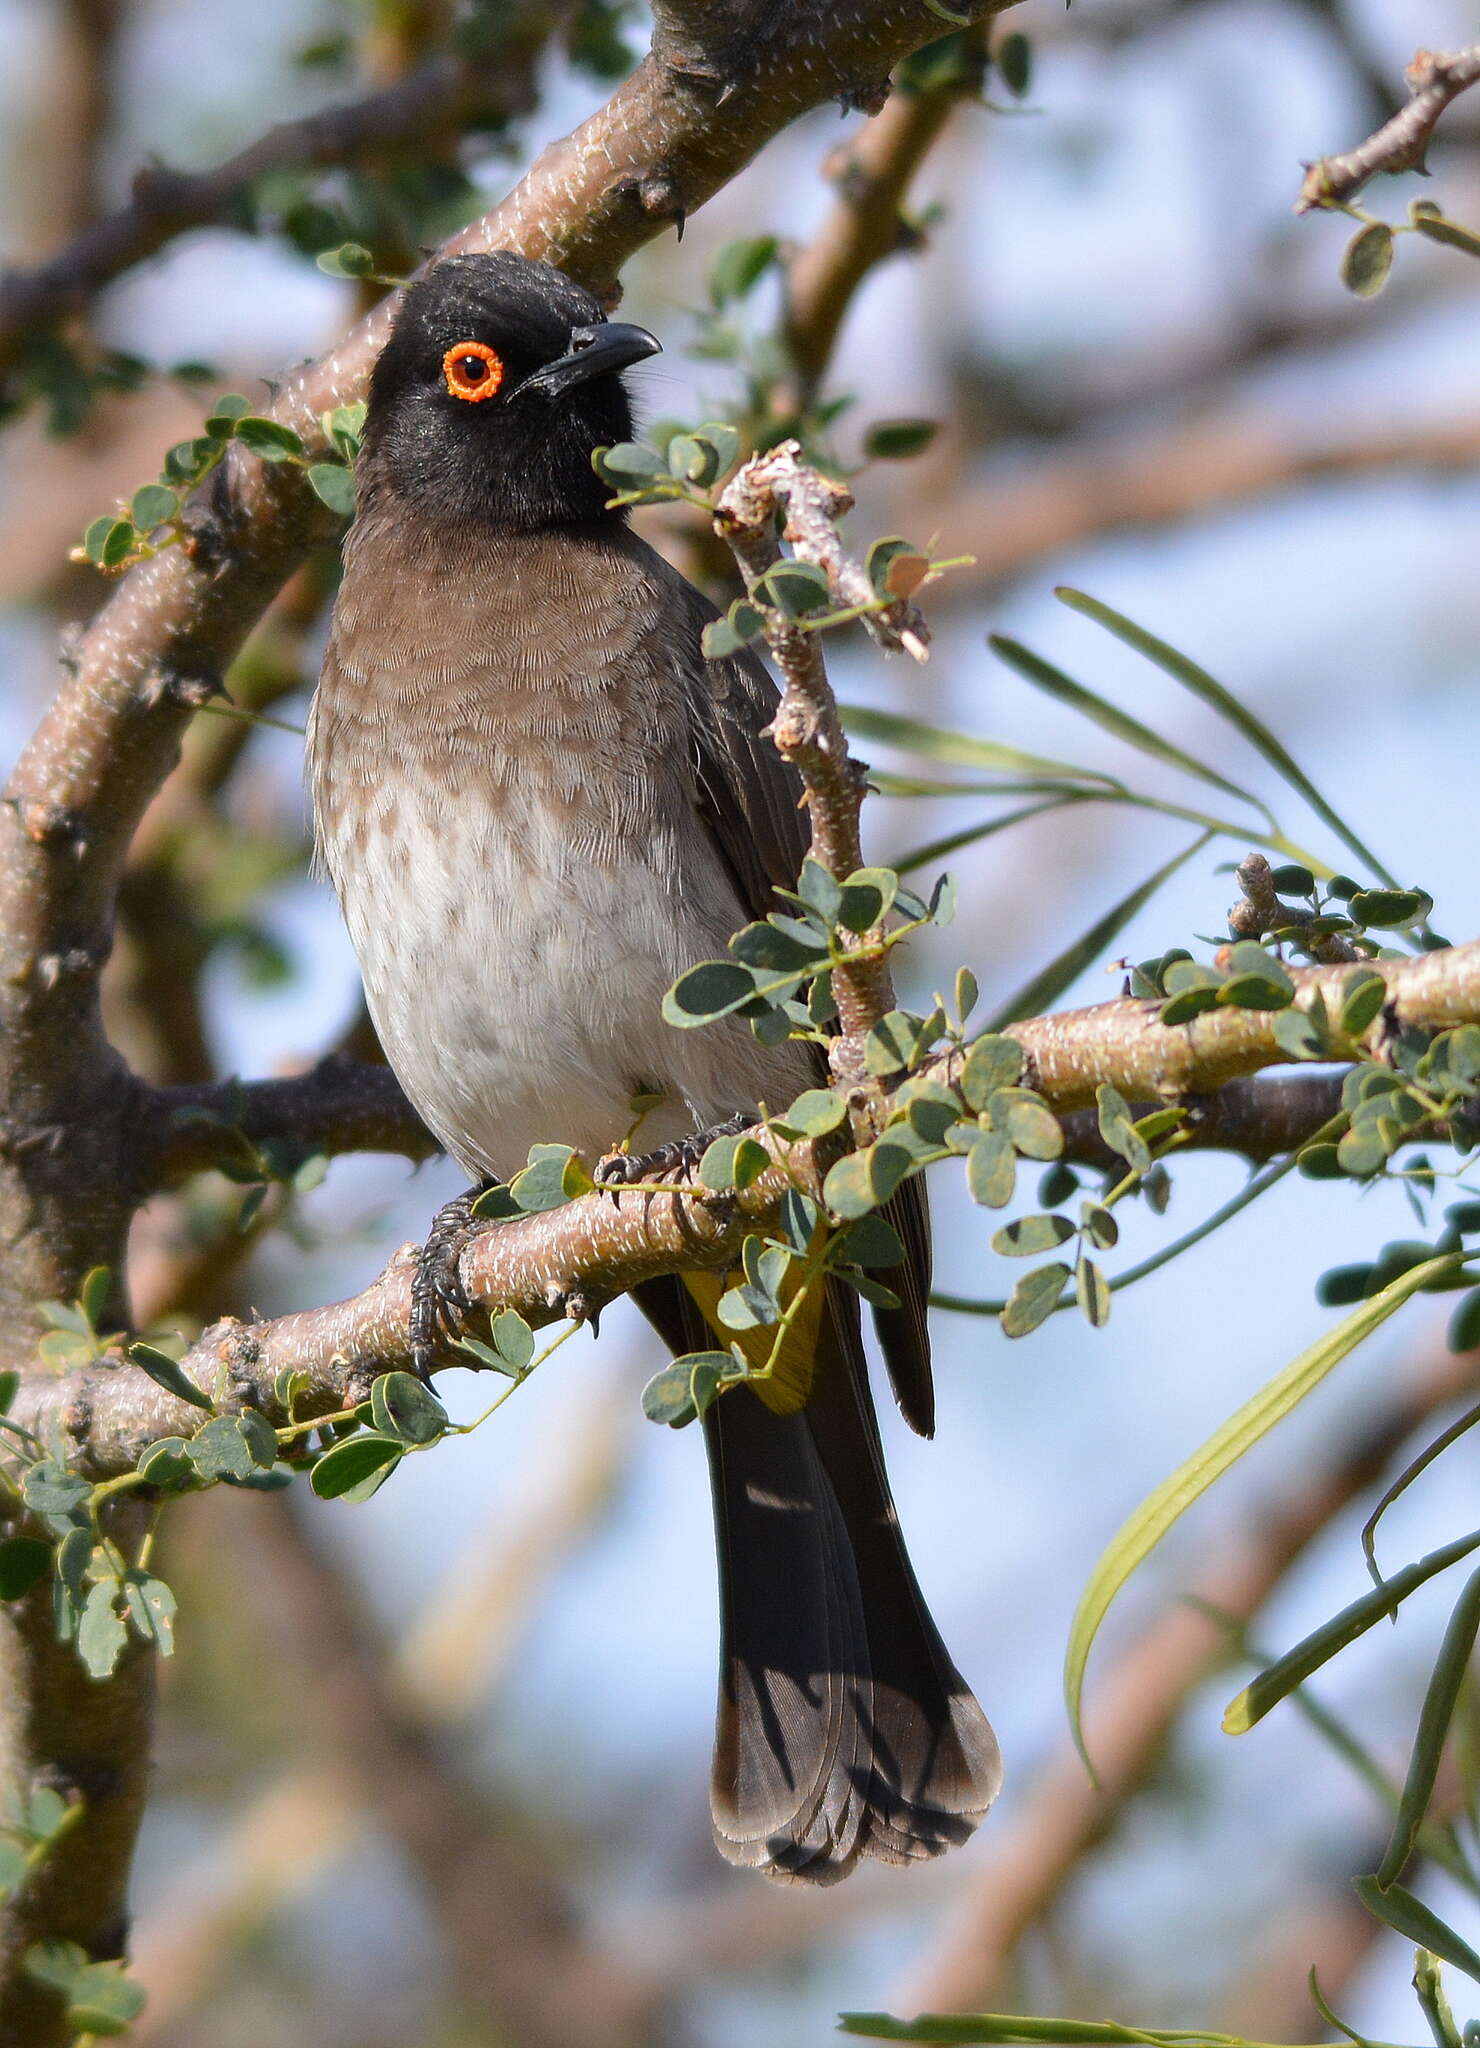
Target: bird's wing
x=749, y=803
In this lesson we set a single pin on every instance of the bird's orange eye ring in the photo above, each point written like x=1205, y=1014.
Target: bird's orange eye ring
x=473, y=370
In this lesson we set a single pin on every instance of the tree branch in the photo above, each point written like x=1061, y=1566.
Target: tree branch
x=1125, y=1043
x=604, y=1244
x=444, y=94
x=338, y=1105
x=807, y=729
x=1401, y=144
x=871, y=175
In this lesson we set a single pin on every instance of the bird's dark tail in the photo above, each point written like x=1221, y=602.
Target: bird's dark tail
x=844, y=1730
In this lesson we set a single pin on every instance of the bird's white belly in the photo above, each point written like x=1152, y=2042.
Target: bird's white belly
x=516, y=980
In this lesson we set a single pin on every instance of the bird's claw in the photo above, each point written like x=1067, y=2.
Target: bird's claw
x=678, y=1159
x=439, y=1301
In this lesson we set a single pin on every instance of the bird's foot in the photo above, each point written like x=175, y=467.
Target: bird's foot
x=678, y=1159
x=439, y=1301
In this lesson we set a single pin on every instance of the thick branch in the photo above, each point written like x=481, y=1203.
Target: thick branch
x=339, y=1105
x=1401, y=144
x=1126, y=1044
x=605, y=1244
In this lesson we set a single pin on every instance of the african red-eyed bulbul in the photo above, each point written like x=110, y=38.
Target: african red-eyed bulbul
x=540, y=804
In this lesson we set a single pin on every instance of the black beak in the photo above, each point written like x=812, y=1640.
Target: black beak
x=593, y=352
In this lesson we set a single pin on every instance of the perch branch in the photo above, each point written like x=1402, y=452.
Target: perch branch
x=605, y=1244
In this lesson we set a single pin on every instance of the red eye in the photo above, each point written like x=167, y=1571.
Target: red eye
x=473, y=370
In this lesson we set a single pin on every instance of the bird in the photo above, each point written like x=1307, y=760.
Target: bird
x=539, y=804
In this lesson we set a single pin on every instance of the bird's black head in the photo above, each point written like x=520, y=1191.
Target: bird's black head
x=499, y=378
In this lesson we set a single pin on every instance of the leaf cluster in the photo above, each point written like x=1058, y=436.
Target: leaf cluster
x=156, y=516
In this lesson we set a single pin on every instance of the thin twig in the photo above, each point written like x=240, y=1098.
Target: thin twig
x=1401, y=144
x=807, y=729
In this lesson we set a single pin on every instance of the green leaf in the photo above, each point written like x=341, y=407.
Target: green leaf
x=166, y=1463
x=1034, y=1299
x=220, y=1450
x=401, y=1407
x=165, y=1372
x=107, y=541
x=692, y=460
x=553, y=1177
x=723, y=439
x=740, y=266
x=356, y=1468
x=55, y=1962
x=1013, y=57
x=866, y=897
x=1202, y=685
x=344, y=426
x=1363, y=994
x=334, y=486
x=152, y=1608
x=101, y=1999
x=1296, y=1035
x=152, y=505
x=1282, y=1677
x=350, y=259
x=962, y=749
x=991, y=1170
x=1092, y=1291
x=628, y=462
x=992, y=1062
x=684, y=1389
x=733, y=1162
x=1100, y=1226
x=1464, y=1324
x=1390, y=909
x=1257, y=991
x=23, y=1560
x=268, y=438
x=892, y=1043
x=1054, y=683
x=1410, y=1917
x=815, y=1112
x=1029, y=1235
x=1048, y=985
x=1367, y=259
x=51, y=1490
x=1449, y=232
x=1440, y=1699
x=94, y=541
x=870, y=1241
x=101, y=1633
x=513, y=1339
x=894, y=440
x=1118, y=1130
x=1032, y=1127
x=717, y=988
x=1144, y=1529
x=795, y=588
